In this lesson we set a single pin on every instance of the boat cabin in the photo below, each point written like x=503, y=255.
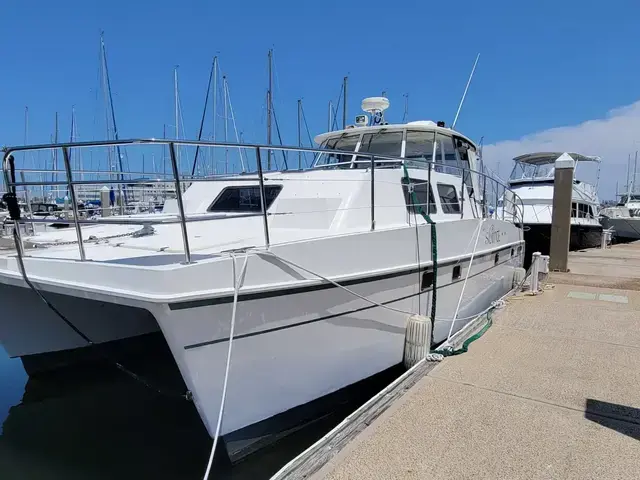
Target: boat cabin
x=420, y=142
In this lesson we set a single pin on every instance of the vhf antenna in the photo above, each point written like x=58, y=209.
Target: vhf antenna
x=455, y=120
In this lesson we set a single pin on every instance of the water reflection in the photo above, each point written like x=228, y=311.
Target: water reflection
x=93, y=421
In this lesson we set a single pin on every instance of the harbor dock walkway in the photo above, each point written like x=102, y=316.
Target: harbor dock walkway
x=551, y=391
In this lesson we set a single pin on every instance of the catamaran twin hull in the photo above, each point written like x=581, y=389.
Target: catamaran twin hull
x=297, y=337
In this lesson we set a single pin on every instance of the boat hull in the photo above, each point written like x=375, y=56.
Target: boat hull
x=624, y=228
x=298, y=338
x=292, y=348
x=29, y=327
x=537, y=238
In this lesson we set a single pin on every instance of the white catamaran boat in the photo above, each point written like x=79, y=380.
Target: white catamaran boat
x=314, y=271
x=532, y=180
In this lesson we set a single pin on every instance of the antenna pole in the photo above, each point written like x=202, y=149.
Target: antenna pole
x=330, y=110
x=344, y=103
x=455, y=120
x=269, y=114
x=406, y=108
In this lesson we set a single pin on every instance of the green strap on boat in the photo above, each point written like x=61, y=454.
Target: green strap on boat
x=465, y=346
x=434, y=240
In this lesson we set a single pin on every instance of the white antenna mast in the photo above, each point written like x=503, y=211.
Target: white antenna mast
x=455, y=120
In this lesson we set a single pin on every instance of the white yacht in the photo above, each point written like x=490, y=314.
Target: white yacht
x=324, y=266
x=532, y=180
x=624, y=218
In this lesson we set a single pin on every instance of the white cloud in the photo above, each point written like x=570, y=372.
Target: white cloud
x=611, y=138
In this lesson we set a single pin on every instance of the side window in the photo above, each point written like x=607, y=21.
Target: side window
x=462, y=147
x=244, y=199
x=591, y=215
x=420, y=187
x=448, y=198
x=419, y=146
x=446, y=155
x=583, y=210
x=574, y=212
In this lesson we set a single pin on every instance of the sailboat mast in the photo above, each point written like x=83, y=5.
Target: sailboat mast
x=629, y=177
x=635, y=168
x=344, y=103
x=26, y=124
x=204, y=117
x=54, y=175
x=215, y=111
x=299, y=135
x=175, y=98
x=226, y=123
x=113, y=115
x=269, y=105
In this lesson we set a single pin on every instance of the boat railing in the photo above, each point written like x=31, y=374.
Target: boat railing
x=485, y=202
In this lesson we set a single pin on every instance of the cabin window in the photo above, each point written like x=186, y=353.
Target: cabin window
x=388, y=144
x=446, y=156
x=419, y=146
x=448, y=198
x=463, y=147
x=244, y=198
x=347, y=143
x=420, y=187
x=583, y=210
x=574, y=210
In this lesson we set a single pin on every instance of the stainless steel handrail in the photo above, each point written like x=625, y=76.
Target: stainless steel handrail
x=372, y=162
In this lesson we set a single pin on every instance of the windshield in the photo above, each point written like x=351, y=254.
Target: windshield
x=633, y=198
x=387, y=144
x=346, y=142
x=528, y=171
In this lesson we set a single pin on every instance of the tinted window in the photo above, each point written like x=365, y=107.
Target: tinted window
x=583, y=210
x=448, y=198
x=244, y=199
x=388, y=144
x=446, y=154
x=419, y=146
x=346, y=143
x=420, y=188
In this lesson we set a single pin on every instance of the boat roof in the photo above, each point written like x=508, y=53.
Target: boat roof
x=420, y=125
x=542, y=158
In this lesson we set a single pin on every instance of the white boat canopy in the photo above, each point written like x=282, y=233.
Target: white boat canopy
x=543, y=158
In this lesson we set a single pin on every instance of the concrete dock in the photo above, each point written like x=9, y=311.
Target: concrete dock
x=552, y=390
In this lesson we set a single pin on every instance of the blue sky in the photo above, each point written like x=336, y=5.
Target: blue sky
x=543, y=64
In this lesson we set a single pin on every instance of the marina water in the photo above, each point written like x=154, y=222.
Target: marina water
x=95, y=422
